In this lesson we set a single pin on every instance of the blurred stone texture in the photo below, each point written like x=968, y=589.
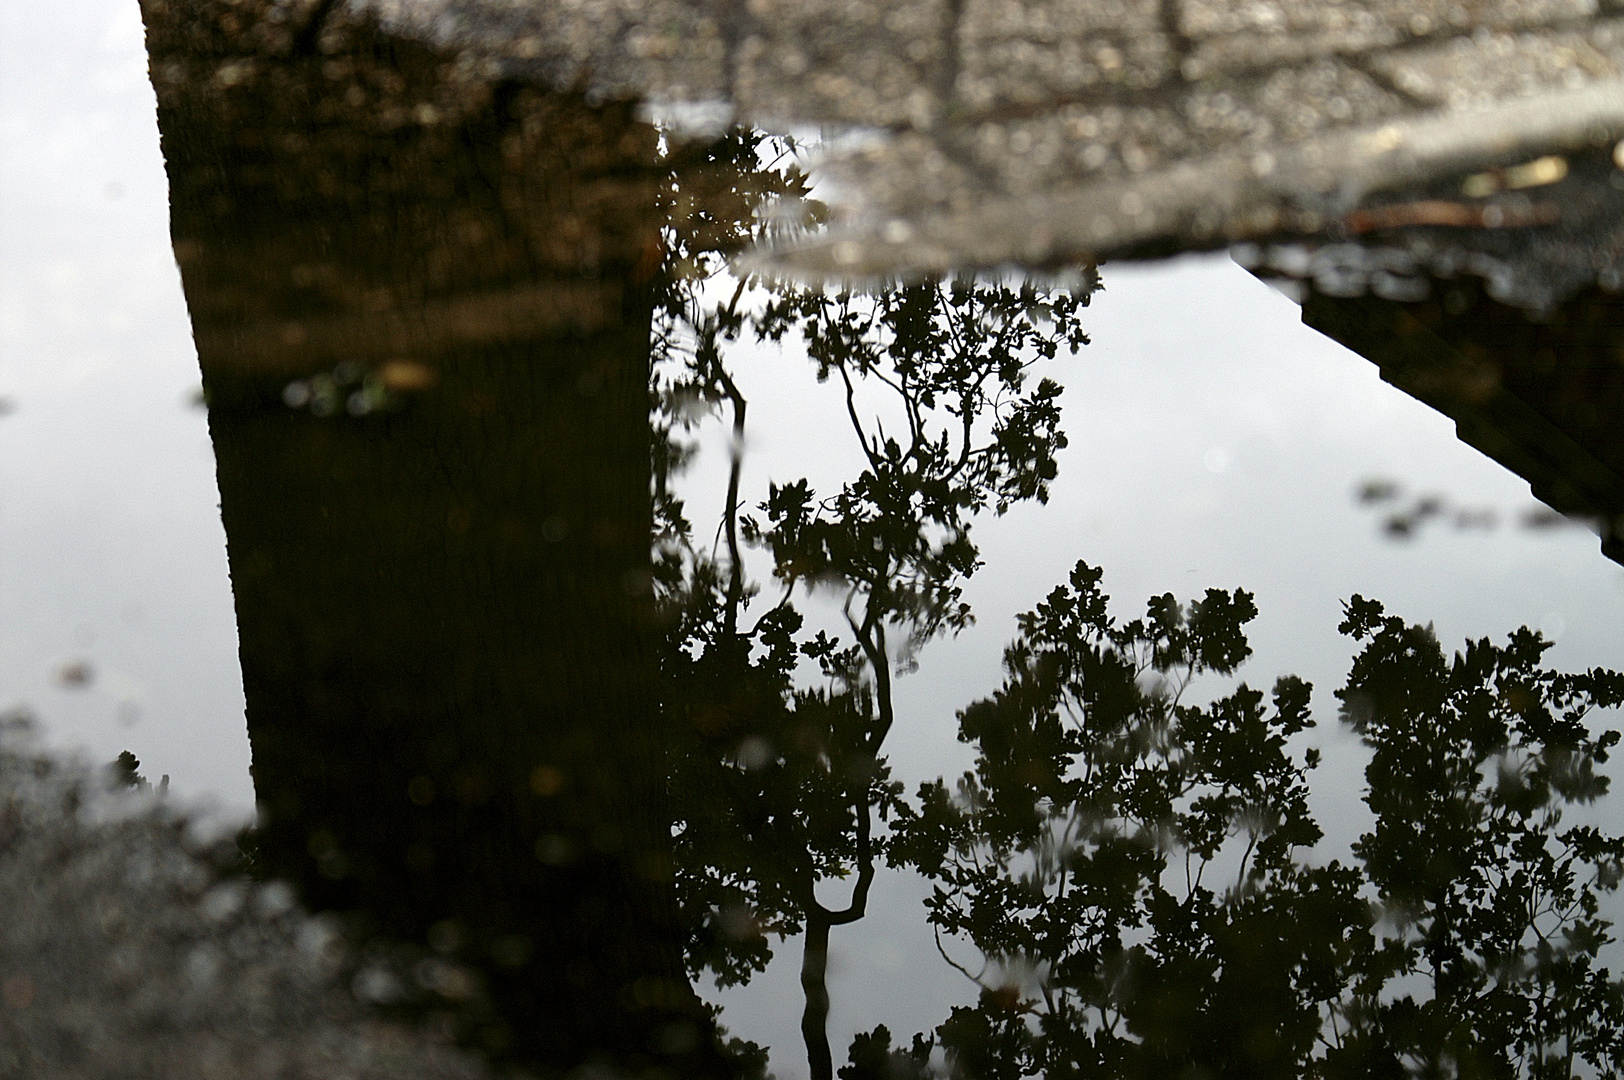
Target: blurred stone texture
x=126, y=952
x=1044, y=132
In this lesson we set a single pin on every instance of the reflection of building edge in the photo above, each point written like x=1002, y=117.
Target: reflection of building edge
x=1544, y=398
x=444, y=620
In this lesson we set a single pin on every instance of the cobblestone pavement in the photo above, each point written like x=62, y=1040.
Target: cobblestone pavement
x=1043, y=132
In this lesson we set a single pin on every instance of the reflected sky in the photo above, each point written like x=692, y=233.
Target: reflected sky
x=111, y=549
x=1214, y=441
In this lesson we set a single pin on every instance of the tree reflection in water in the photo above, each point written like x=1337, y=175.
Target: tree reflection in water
x=474, y=732
x=776, y=785
x=1134, y=870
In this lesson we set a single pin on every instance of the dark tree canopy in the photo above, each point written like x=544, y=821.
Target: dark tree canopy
x=775, y=783
x=1134, y=870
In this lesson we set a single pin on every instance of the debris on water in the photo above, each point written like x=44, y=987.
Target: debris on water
x=1536, y=173
x=75, y=675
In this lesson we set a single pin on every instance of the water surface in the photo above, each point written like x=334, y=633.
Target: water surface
x=485, y=719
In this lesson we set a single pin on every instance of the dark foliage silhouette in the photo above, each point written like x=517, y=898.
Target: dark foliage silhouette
x=776, y=784
x=1492, y=930
x=1133, y=869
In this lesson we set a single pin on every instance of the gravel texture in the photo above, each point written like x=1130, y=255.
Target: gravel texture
x=125, y=952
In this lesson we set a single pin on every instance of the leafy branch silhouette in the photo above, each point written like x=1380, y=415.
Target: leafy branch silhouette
x=1078, y=859
x=777, y=785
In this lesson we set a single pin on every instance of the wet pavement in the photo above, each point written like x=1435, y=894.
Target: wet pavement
x=1041, y=133
x=546, y=756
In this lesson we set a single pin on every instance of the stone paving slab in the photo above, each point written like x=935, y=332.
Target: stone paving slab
x=1052, y=132
x=1044, y=132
